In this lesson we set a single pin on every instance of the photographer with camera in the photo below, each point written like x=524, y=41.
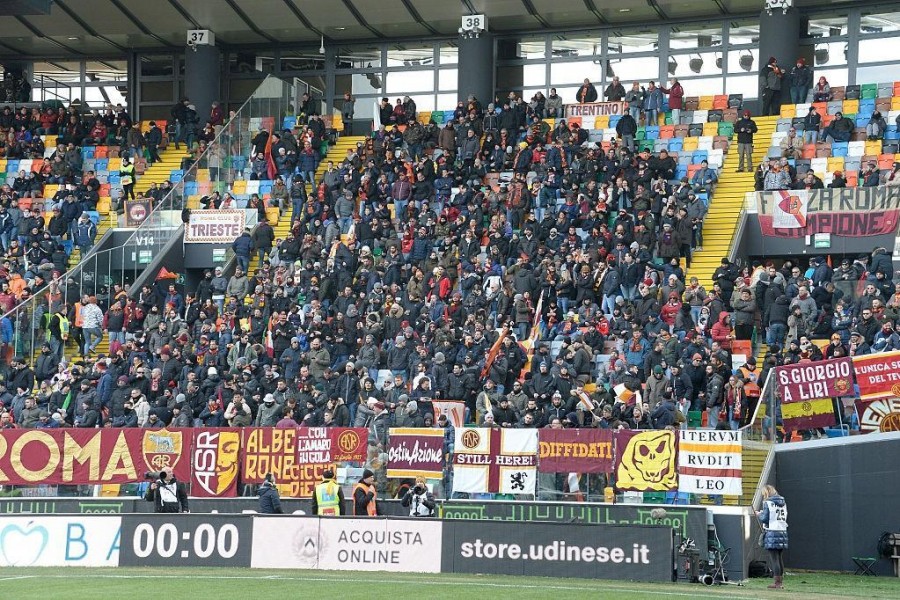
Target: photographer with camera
x=167, y=494
x=419, y=500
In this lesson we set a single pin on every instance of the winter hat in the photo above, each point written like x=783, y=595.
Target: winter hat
x=438, y=358
x=367, y=473
x=402, y=398
x=411, y=406
x=212, y=371
x=269, y=399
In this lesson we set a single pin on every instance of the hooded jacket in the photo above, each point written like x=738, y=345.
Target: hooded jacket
x=773, y=518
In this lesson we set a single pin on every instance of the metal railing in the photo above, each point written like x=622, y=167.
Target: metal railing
x=98, y=270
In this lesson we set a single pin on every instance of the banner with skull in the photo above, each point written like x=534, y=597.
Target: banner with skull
x=646, y=461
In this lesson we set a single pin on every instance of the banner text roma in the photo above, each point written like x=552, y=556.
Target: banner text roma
x=91, y=456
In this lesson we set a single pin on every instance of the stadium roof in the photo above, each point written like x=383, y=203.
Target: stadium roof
x=110, y=27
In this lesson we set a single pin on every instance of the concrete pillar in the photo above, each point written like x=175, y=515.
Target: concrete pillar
x=477, y=58
x=202, y=78
x=779, y=36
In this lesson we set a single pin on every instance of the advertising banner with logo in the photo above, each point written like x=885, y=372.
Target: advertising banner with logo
x=808, y=381
x=709, y=462
x=495, y=460
x=878, y=375
x=64, y=541
x=412, y=546
x=878, y=415
x=575, y=451
x=629, y=552
x=850, y=212
x=136, y=211
x=186, y=540
x=415, y=451
x=396, y=545
x=214, y=226
x=596, y=109
x=214, y=462
x=646, y=461
x=91, y=456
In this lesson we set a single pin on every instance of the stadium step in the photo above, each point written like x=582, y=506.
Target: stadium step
x=720, y=224
x=753, y=461
x=160, y=171
x=336, y=154
x=107, y=221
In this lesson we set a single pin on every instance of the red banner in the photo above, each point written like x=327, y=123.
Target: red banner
x=878, y=415
x=296, y=457
x=849, y=212
x=214, y=462
x=806, y=381
x=268, y=450
x=878, y=375
x=416, y=451
x=91, y=456
x=326, y=445
x=882, y=222
x=575, y=451
x=646, y=461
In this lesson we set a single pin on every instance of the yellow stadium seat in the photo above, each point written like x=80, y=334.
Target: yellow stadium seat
x=202, y=174
x=835, y=163
x=873, y=147
x=601, y=122
x=895, y=103
x=711, y=129
x=788, y=111
x=193, y=202
x=103, y=205
x=706, y=102
x=424, y=116
x=272, y=214
x=851, y=107
x=240, y=187
x=690, y=143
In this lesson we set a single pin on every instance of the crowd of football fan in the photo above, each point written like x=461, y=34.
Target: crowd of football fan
x=410, y=258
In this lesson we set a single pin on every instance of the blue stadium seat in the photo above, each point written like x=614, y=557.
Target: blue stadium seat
x=652, y=133
x=676, y=144
x=839, y=149
x=680, y=171
x=614, y=120
x=699, y=156
x=190, y=188
x=176, y=175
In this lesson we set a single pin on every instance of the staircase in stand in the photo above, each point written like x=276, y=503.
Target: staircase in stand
x=720, y=224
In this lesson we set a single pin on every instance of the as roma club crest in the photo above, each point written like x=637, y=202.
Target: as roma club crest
x=162, y=448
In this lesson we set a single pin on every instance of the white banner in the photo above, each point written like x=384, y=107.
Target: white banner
x=52, y=541
x=380, y=545
x=280, y=543
x=709, y=462
x=214, y=226
x=397, y=545
x=495, y=460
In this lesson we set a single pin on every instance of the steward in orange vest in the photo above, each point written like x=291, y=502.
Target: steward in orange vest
x=364, y=495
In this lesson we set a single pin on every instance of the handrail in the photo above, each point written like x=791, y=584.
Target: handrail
x=152, y=222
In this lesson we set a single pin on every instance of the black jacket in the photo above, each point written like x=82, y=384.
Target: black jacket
x=269, y=500
x=160, y=506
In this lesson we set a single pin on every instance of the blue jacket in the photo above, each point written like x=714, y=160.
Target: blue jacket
x=653, y=99
x=774, y=539
x=308, y=161
x=243, y=245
